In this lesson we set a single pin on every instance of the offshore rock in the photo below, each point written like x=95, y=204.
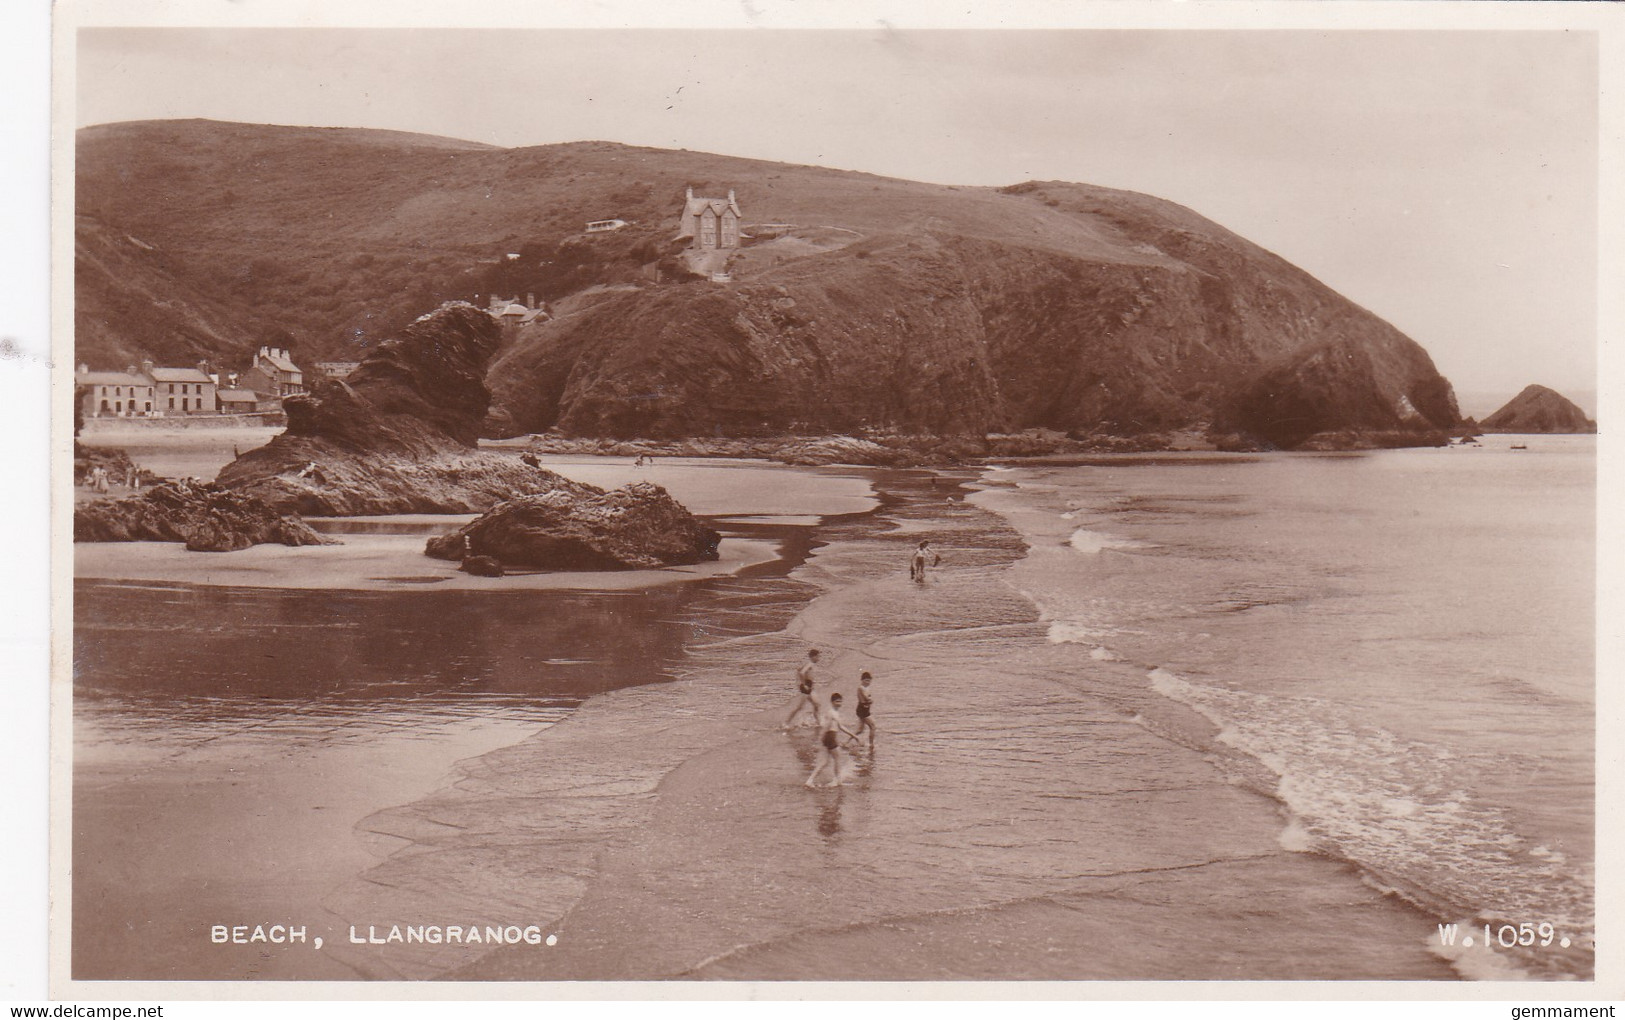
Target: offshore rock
x=638, y=527
x=398, y=434
x=205, y=517
x=1539, y=409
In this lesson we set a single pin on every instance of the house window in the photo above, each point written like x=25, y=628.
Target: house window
x=118, y=407
x=172, y=403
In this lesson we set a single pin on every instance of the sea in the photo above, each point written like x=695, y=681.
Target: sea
x=1152, y=717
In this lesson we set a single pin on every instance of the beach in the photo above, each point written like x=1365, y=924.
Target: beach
x=1091, y=762
x=237, y=716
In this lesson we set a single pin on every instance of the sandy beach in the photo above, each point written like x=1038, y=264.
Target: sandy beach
x=606, y=765
x=239, y=716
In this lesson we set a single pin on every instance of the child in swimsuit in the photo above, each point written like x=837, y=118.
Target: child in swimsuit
x=829, y=721
x=804, y=687
x=918, y=563
x=866, y=702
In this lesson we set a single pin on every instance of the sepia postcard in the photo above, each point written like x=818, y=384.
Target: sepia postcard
x=1076, y=501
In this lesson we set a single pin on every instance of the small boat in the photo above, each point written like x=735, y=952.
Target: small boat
x=1519, y=446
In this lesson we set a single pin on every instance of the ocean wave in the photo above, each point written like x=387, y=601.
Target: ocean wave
x=1396, y=809
x=1093, y=542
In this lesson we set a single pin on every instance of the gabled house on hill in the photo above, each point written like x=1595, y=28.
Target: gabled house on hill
x=713, y=223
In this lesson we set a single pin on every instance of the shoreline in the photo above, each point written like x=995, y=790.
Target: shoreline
x=752, y=503
x=729, y=768
x=603, y=827
x=145, y=787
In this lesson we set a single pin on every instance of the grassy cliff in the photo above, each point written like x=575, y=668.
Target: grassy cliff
x=859, y=300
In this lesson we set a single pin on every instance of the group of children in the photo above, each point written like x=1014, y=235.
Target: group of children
x=827, y=717
x=827, y=714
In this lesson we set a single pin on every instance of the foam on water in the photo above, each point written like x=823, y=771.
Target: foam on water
x=1326, y=640
x=1093, y=542
x=1396, y=807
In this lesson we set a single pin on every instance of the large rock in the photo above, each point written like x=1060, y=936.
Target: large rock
x=636, y=527
x=205, y=517
x=1539, y=409
x=398, y=435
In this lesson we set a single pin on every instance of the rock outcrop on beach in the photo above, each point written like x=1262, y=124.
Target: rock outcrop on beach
x=862, y=301
x=398, y=435
x=1539, y=409
x=636, y=527
x=205, y=517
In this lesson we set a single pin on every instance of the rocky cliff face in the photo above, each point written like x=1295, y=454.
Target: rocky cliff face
x=1185, y=326
x=397, y=436
x=884, y=302
x=1539, y=409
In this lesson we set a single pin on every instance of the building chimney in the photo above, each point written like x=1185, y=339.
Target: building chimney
x=731, y=196
x=146, y=367
x=84, y=369
x=530, y=299
x=691, y=193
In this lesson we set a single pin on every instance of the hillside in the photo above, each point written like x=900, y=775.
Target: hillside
x=868, y=301
x=1539, y=409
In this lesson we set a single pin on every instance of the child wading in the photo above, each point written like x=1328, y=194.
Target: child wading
x=866, y=701
x=829, y=753
x=804, y=688
x=923, y=556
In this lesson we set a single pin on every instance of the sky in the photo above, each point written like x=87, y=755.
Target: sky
x=1445, y=180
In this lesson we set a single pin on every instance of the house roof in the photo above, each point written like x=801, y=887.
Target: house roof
x=187, y=375
x=533, y=315
x=514, y=309
x=697, y=205
x=280, y=363
x=111, y=379
x=237, y=396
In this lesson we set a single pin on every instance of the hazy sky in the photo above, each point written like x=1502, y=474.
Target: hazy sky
x=1446, y=180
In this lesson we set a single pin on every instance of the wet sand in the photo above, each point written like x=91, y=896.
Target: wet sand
x=1019, y=817
x=240, y=717
x=1024, y=813
x=375, y=563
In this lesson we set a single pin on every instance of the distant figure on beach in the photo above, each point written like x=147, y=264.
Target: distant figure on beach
x=866, y=704
x=924, y=556
x=829, y=725
x=804, y=688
